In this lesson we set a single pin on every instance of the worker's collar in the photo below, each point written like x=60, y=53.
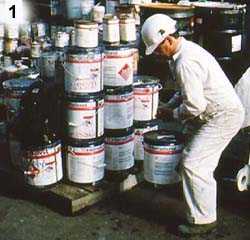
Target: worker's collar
x=177, y=54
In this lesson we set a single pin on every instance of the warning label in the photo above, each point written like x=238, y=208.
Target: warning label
x=125, y=72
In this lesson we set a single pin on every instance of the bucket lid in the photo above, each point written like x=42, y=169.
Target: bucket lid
x=79, y=50
x=85, y=24
x=18, y=84
x=145, y=80
x=163, y=137
x=145, y=124
x=117, y=47
x=85, y=143
x=118, y=90
x=74, y=97
x=119, y=132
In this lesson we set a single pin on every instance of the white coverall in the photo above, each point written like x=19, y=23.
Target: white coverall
x=206, y=94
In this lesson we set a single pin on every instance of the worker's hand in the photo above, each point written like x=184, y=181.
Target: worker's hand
x=165, y=113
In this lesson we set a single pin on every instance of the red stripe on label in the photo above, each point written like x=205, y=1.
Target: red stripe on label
x=44, y=156
x=84, y=61
x=120, y=142
x=145, y=92
x=119, y=101
x=117, y=56
x=79, y=108
x=86, y=153
x=162, y=152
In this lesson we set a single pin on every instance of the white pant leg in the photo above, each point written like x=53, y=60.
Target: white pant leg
x=200, y=158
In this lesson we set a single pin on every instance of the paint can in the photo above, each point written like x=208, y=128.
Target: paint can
x=119, y=148
x=85, y=116
x=140, y=129
x=42, y=165
x=11, y=31
x=127, y=28
x=61, y=39
x=83, y=70
x=162, y=153
x=98, y=13
x=117, y=66
x=10, y=46
x=35, y=50
x=111, y=5
x=111, y=31
x=146, y=97
x=86, y=34
x=85, y=161
x=38, y=30
x=73, y=9
x=118, y=108
x=48, y=65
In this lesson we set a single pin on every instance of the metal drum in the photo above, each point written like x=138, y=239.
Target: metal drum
x=119, y=148
x=146, y=97
x=83, y=71
x=217, y=23
x=117, y=66
x=85, y=116
x=85, y=160
x=118, y=108
x=42, y=166
x=140, y=129
x=111, y=31
x=162, y=153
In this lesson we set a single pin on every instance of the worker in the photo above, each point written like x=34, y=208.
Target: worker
x=209, y=100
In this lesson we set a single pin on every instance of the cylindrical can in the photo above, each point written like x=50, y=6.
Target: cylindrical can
x=38, y=30
x=162, y=153
x=119, y=108
x=35, y=50
x=48, y=65
x=119, y=148
x=111, y=32
x=85, y=116
x=86, y=34
x=43, y=165
x=127, y=28
x=85, y=160
x=140, y=129
x=117, y=66
x=98, y=13
x=10, y=46
x=73, y=9
x=11, y=31
x=146, y=97
x=83, y=71
x=25, y=31
x=111, y=5
x=61, y=39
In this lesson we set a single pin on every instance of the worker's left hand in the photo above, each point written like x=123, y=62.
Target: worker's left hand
x=165, y=113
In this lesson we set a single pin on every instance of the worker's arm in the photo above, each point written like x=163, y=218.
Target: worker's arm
x=190, y=76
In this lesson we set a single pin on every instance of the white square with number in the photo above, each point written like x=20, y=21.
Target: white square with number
x=12, y=11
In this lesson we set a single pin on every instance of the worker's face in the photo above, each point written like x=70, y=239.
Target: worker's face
x=167, y=48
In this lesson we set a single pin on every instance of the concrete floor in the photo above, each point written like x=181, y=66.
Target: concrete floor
x=142, y=214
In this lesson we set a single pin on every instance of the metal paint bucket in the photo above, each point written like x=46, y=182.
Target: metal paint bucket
x=43, y=165
x=146, y=97
x=86, y=34
x=162, y=153
x=85, y=116
x=38, y=30
x=119, y=148
x=127, y=28
x=118, y=108
x=140, y=129
x=35, y=50
x=117, y=66
x=85, y=161
x=83, y=71
x=48, y=65
x=111, y=31
x=61, y=39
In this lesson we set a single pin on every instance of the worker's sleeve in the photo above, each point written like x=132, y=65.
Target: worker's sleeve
x=190, y=76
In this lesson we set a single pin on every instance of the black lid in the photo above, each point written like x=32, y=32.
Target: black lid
x=74, y=97
x=119, y=132
x=145, y=124
x=145, y=80
x=84, y=142
x=117, y=47
x=79, y=50
x=163, y=137
x=118, y=90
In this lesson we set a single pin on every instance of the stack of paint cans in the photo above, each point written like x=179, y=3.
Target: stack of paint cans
x=84, y=107
x=146, y=99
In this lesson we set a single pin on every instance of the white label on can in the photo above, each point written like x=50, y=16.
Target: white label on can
x=119, y=153
x=236, y=43
x=160, y=163
x=111, y=32
x=145, y=103
x=118, y=68
x=85, y=164
x=139, y=149
x=128, y=31
x=87, y=37
x=118, y=111
x=85, y=120
x=44, y=167
x=83, y=74
x=62, y=40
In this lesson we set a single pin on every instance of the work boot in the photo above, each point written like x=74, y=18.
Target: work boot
x=196, y=229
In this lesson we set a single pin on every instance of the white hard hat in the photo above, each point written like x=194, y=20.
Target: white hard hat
x=155, y=29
